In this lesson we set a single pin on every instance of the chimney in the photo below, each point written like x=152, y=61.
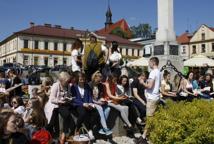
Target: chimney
x=72, y=28
x=47, y=25
x=32, y=24
x=58, y=26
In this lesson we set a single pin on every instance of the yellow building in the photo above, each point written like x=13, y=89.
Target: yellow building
x=202, y=42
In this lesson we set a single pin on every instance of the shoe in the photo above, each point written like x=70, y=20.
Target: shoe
x=140, y=123
x=91, y=136
x=101, y=131
x=130, y=132
x=108, y=132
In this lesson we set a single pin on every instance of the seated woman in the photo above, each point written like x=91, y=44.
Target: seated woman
x=99, y=103
x=123, y=89
x=166, y=87
x=59, y=103
x=114, y=100
x=83, y=103
x=9, y=131
x=207, y=90
x=187, y=88
x=18, y=105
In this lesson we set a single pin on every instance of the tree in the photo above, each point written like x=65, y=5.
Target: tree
x=142, y=30
x=119, y=32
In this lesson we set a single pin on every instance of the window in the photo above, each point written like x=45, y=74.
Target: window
x=36, y=60
x=25, y=60
x=203, y=36
x=184, y=50
x=64, y=61
x=36, y=45
x=64, y=46
x=25, y=43
x=127, y=51
x=55, y=46
x=203, y=48
x=55, y=61
x=46, y=45
x=212, y=47
x=133, y=52
x=193, y=49
x=138, y=53
x=46, y=61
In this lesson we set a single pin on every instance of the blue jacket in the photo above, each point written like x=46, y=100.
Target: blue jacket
x=87, y=98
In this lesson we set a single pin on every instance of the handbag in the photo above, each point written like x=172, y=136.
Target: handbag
x=82, y=138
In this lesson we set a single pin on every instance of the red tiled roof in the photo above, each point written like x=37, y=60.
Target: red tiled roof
x=121, y=41
x=121, y=24
x=212, y=28
x=184, y=38
x=52, y=32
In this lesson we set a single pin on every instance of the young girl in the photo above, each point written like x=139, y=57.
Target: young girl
x=99, y=103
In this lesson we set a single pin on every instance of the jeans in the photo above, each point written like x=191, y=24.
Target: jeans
x=124, y=112
x=140, y=107
x=103, y=112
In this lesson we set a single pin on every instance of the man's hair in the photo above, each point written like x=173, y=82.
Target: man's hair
x=155, y=60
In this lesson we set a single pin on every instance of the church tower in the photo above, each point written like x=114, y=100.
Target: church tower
x=108, y=17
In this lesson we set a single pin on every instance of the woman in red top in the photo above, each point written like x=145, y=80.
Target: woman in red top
x=114, y=100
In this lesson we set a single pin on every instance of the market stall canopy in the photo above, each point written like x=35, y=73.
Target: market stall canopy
x=199, y=61
x=141, y=62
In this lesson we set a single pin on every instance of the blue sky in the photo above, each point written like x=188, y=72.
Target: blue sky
x=15, y=15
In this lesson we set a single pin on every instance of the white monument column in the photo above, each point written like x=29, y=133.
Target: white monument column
x=166, y=47
x=165, y=21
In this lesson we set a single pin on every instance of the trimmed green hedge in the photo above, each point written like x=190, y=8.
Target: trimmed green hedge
x=183, y=123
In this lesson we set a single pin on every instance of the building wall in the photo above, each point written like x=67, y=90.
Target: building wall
x=184, y=51
x=202, y=44
x=14, y=51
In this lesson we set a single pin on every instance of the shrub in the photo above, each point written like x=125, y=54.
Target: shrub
x=183, y=123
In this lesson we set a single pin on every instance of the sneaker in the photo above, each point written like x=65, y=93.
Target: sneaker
x=91, y=136
x=108, y=132
x=101, y=131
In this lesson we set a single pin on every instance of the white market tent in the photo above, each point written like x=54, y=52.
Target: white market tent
x=141, y=62
x=199, y=61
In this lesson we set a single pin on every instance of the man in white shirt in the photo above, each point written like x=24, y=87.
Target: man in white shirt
x=152, y=89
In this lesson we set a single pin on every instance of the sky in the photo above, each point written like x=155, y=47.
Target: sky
x=15, y=15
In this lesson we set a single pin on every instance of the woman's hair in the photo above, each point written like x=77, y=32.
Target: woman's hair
x=47, y=82
x=114, y=47
x=165, y=73
x=64, y=76
x=38, y=118
x=126, y=87
x=187, y=76
x=96, y=74
x=111, y=77
x=35, y=103
x=19, y=100
x=77, y=44
x=4, y=117
x=144, y=73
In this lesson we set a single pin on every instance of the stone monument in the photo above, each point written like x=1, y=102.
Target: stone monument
x=165, y=46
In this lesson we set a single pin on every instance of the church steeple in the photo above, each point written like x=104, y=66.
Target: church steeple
x=108, y=16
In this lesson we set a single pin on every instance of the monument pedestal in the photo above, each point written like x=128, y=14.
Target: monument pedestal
x=168, y=51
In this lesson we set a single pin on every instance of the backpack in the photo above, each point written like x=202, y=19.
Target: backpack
x=92, y=59
x=41, y=136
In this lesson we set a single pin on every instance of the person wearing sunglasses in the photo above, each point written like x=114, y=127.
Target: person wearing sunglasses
x=18, y=105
